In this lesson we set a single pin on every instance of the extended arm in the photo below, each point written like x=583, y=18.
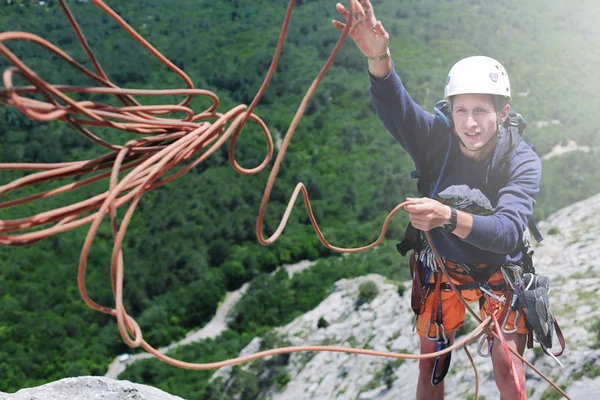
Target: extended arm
x=500, y=232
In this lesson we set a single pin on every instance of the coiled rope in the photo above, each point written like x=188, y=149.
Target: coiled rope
x=166, y=143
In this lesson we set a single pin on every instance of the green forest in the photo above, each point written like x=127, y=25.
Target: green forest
x=193, y=240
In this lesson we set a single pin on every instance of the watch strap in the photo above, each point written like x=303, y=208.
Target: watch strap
x=450, y=225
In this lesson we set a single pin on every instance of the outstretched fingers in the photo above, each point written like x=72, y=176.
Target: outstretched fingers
x=367, y=8
x=343, y=11
x=340, y=25
x=359, y=11
x=345, y=14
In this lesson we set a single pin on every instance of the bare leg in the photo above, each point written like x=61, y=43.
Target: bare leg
x=502, y=373
x=425, y=390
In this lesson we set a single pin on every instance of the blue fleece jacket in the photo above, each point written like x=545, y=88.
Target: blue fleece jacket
x=494, y=239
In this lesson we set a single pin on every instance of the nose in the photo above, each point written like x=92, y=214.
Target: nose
x=471, y=121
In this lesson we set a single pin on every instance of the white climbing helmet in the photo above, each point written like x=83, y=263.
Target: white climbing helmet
x=477, y=74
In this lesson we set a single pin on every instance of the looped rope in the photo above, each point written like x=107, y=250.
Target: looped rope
x=167, y=143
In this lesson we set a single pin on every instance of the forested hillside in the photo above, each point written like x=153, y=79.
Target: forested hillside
x=193, y=240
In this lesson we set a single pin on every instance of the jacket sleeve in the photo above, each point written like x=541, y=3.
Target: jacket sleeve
x=502, y=232
x=408, y=123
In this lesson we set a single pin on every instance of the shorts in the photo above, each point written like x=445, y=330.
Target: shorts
x=453, y=311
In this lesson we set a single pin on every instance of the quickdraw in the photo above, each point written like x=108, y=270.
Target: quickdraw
x=442, y=341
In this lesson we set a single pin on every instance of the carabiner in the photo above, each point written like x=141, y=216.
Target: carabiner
x=513, y=308
x=491, y=294
x=437, y=331
x=441, y=345
x=515, y=325
x=443, y=333
x=440, y=332
x=480, y=348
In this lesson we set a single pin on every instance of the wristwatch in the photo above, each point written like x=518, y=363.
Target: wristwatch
x=450, y=225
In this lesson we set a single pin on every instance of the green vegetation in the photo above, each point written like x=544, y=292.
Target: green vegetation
x=552, y=393
x=367, y=291
x=590, y=369
x=385, y=376
x=596, y=331
x=193, y=240
x=322, y=323
x=554, y=230
x=401, y=289
x=472, y=397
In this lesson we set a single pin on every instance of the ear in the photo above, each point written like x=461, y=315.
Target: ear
x=504, y=113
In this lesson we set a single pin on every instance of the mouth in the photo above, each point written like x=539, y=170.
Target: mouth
x=472, y=134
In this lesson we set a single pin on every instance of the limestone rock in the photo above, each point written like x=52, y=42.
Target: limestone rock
x=90, y=387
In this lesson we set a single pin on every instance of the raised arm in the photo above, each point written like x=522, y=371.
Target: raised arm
x=410, y=125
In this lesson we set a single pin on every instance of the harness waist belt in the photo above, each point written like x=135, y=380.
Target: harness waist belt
x=467, y=286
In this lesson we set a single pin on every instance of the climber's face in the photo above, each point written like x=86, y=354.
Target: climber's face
x=476, y=124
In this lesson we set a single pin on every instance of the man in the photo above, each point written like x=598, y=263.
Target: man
x=472, y=246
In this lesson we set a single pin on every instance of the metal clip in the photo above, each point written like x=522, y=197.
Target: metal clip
x=437, y=332
x=440, y=332
x=515, y=325
x=491, y=294
x=513, y=308
x=444, y=333
x=480, y=348
x=507, y=278
x=517, y=271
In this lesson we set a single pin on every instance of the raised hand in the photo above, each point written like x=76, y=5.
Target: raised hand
x=366, y=31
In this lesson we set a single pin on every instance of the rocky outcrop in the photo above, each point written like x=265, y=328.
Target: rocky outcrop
x=568, y=255
x=89, y=387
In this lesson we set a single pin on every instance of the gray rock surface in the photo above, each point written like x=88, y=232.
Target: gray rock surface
x=90, y=388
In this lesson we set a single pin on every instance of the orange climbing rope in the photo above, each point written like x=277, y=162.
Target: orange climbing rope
x=164, y=144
